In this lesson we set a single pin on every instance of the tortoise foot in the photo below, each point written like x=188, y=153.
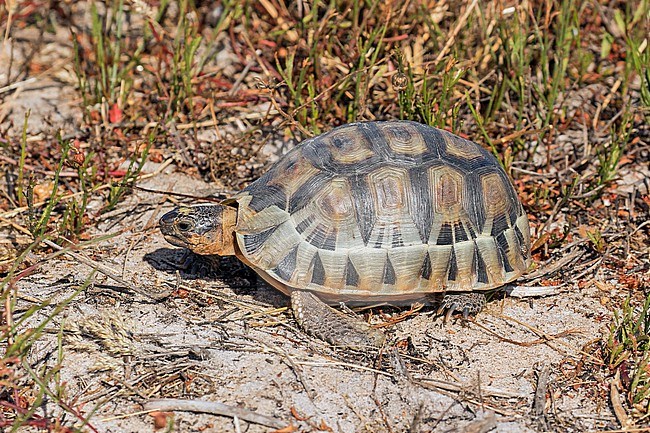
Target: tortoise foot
x=467, y=303
x=326, y=323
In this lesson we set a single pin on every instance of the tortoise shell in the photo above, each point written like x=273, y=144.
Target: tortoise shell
x=384, y=211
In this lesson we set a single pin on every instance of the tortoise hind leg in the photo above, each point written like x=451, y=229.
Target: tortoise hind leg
x=331, y=325
x=467, y=303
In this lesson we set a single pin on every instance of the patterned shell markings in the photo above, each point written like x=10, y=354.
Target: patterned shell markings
x=385, y=210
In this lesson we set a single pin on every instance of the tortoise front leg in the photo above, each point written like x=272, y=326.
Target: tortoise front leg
x=326, y=323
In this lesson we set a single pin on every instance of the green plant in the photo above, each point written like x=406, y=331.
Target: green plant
x=39, y=219
x=302, y=78
x=430, y=98
x=136, y=162
x=609, y=156
x=183, y=63
x=74, y=216
x=596, y=239
x=531, y=50
x=554, y=67
x=338, y=60
x=628, y=350
x=514, y=56
x=370, y=43
x=295, y=86
x=17, y=337
x=634, y=23
x=73, y=219
x=20, y=195
x=108, y=81
x=639, y=57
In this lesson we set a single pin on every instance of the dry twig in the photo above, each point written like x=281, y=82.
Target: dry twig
x=212, y=407
x=539, y=402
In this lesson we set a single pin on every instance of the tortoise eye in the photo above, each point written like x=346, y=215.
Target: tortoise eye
x=184, y=226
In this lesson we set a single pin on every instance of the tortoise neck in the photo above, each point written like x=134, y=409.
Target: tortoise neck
x=228, y=226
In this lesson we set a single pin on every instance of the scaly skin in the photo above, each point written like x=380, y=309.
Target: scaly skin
x=326, y=323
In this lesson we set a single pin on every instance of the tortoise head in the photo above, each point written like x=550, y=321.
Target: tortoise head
x=206, y=229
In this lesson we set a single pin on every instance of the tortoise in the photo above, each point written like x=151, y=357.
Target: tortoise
x=384, y=211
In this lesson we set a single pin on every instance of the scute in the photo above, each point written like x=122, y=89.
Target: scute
x=403, y=138
x=387, y=211
x=462, y=148
x=348, y=146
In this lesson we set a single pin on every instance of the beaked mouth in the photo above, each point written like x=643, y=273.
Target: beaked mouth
x=175, y=240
